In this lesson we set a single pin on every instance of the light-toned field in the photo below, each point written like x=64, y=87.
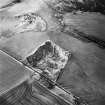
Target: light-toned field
x=84, y=74
x=12, y=73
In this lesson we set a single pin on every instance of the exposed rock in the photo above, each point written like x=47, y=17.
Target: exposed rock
x=31, y=22
x=49, y=58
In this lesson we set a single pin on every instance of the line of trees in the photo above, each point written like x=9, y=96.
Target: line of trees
x=82, y=5
x=91, y=5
